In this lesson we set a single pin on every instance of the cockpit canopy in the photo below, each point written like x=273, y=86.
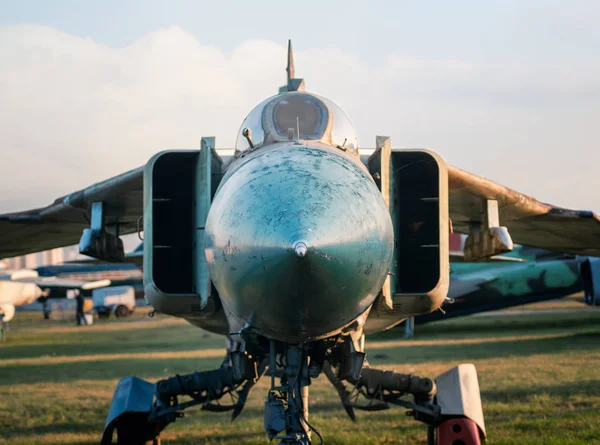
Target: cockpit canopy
x=297, y=116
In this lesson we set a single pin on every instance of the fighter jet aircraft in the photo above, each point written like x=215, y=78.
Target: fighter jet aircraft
x=479, y=287
x=294, y=248
x=524, y=276
x=123, y=274
x=21, y=287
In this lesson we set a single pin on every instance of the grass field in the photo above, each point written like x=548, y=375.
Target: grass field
x=539, y=376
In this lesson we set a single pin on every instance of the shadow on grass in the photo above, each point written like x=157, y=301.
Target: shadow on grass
x=497, y=325
x=52, y=428
x=80, y=342
x=521, y=394
x=103, y=370
x=524, y=393
x=115, y=369
x=484, y=350
x=233, y=436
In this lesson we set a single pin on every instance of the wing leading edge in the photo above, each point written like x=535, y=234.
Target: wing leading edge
x=529, y=221
x=62, y=222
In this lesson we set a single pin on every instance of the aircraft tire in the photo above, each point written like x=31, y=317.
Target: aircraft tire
x=128, y=440
x=134, y=432
x=121, y=311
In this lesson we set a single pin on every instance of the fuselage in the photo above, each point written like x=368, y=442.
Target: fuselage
x=15, y=290
x=299, y=240
x=18, y=293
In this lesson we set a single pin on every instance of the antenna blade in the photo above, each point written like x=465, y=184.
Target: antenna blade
x=290, y=62
x=292, y=83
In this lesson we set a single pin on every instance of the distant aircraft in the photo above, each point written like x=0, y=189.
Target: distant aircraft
x=122, y=274
x=525, y=276
x=541, y=276
x=21, y=287
x=294, y=248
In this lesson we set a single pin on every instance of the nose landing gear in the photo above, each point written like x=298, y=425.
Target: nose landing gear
x=450, y=406
x=286, y=408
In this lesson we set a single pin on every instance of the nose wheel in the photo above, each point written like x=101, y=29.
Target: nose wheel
x=286, y=408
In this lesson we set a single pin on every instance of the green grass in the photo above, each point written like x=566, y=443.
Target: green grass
x=539, y=376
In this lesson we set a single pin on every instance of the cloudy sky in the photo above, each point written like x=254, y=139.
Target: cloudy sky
x=506, y=89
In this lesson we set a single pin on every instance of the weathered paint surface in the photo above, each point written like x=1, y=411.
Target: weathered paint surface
x=483, y=287
x=480, y=287
x=289, y=194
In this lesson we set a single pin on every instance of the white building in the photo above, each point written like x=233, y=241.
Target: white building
x=46, y=258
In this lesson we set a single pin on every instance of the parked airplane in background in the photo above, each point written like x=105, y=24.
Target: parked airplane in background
x=126, y=273
x=294, y=249
x=21, y=287
x=121, y=274
x=541, y=276
x=524, y=276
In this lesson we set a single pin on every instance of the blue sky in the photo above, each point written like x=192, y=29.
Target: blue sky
x=506, y=89
x=541, y=29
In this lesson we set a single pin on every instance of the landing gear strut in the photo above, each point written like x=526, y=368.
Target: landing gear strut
x=450, y=405
x=140, y=410
x=286, y=408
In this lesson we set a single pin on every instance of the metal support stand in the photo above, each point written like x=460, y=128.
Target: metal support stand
x=96, y=241
x=487, y=237
x=3, y=329
x=409, y=327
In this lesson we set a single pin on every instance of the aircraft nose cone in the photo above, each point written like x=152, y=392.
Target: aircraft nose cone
x=299, y=242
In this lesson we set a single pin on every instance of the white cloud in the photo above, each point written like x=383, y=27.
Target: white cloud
x=73, y=111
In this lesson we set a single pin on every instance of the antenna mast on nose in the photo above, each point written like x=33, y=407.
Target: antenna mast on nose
x=293, y=84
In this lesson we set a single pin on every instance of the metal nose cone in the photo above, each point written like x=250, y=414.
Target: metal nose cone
x=299, y=241
x=301, y=249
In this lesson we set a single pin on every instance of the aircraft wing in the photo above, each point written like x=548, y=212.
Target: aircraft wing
x=529, y=221
x=136, y=257
x=62, y=222
x=56, y=283
x=459, y=257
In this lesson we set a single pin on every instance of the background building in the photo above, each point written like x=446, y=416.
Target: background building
x=46, y=258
